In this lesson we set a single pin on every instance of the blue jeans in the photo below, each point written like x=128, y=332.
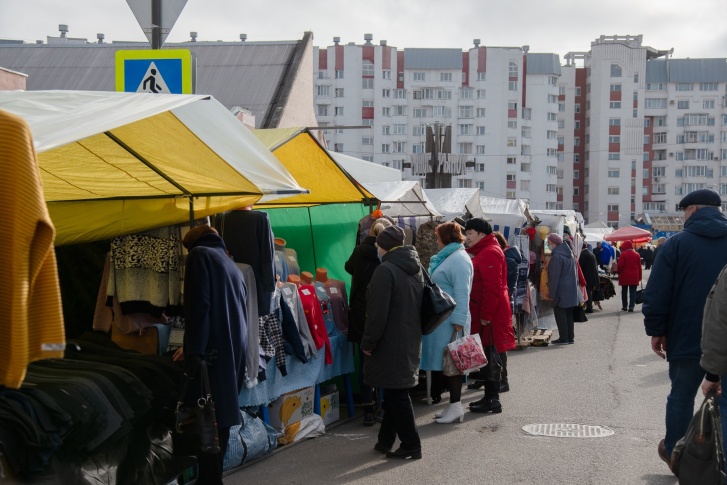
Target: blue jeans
x=629, y=291
x=686, y=376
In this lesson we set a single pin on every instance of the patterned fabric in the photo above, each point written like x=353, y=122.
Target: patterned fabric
x=31, y=318
x=271, y=340
x=426, y=244
x=144, y=273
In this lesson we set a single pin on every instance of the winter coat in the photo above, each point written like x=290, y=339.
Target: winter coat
x=454, y=277
x=513, y=260
x=629, y=266
x=587, y=262
x=215, y=316
x=489, y=299
x=562, y=279
x=714, y=328
x=361, y=266
x=685, y=269
x=393, y=330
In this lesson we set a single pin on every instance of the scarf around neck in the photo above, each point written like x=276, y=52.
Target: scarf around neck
x=437, y=259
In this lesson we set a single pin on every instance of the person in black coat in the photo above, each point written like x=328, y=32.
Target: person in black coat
x=215, y=313
x=589, y=268
x=361, y=266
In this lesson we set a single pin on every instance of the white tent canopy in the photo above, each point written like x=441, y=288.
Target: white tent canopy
x=366, y=172
x=118, y=163
x=402, y=199
x=595, y=231
x=507, y=216
x=556, y=220
x=453, y=203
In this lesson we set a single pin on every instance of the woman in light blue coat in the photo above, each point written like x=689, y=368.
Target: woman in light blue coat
x=451, y=269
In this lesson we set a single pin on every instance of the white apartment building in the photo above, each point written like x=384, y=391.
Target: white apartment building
x=500, y=103
x=655, y=129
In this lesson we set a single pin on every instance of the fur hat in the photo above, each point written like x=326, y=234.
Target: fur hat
x=479, y=225
x=390, y=238
x=554, y=239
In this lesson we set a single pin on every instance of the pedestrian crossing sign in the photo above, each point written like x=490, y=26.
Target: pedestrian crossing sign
x=162, y=71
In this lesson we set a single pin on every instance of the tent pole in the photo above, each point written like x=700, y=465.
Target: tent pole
x=191, y=212
x=312, y=238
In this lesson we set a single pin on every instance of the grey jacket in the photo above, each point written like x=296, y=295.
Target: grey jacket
x=393, y=332
x=714, y=328
x=562, y=282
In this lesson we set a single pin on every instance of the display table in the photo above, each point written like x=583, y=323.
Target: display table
x=302, y=375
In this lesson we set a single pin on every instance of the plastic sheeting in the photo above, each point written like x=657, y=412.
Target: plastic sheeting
x=453, y=203
x=556, y=220
x=366, y=172
x=507, y=216
x=403, y=199
x=119, y=163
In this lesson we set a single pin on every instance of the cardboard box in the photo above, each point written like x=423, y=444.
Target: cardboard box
x=330, y=407
x=291, y=407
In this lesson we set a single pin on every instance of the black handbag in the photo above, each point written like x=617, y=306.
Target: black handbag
x=437, y=305
x=639, y=298
x=579, y=314
x=195, y=427
x=698, y=458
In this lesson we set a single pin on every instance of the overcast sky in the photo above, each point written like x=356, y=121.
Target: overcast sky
x=694, y=28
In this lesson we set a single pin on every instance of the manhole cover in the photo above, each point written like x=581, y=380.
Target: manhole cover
x=565, y=430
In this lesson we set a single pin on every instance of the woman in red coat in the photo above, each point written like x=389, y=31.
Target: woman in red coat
x=489, y=307
x=629, y=274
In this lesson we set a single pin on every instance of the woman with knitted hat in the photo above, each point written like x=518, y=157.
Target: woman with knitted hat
x=562, y=287
x=392, y=339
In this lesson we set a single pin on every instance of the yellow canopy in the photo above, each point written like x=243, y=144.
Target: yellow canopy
x=312, y=167
x=120, y=163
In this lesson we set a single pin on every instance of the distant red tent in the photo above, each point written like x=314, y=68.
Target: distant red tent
x=629, y=233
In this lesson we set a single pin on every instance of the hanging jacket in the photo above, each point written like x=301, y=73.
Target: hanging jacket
x=314, y=317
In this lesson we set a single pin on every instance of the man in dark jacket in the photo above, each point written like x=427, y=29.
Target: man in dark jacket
x=392, y=340
x=589, y=268
x=685, y=268
x=215, y=316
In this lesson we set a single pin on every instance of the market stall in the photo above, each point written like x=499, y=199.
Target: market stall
x=508, y=216
x=103, y=175
x=629, y=233
x=453, y=203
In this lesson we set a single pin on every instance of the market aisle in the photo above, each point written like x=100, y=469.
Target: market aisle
x=609, y=377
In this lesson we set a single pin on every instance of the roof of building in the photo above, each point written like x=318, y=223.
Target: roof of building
x=543, y=64
x=416, y=58
x=686, y=71
x=257, y=76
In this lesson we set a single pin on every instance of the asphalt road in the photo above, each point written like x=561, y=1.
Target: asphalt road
x=609, y=377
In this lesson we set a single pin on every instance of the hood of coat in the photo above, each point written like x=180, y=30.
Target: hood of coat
x=371, y=252
x=486, y=241
x=626, y=245
x=209, y=240
x=405, y=257
x=563, y=249
x=707, y=222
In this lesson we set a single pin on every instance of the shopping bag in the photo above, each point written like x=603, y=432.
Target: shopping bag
x=698, y=458
x=449, y=368
x=195, y=427
x=468, y=354
x=639, y=299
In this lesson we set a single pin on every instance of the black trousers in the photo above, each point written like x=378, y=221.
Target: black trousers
x=628, y=296
x=210, y=466
x=589, y=303
x=399, y=420
x=564, y=320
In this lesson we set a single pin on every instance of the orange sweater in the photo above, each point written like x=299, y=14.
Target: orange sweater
x=31, y=318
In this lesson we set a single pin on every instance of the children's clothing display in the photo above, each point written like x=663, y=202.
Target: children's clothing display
x=253, y=355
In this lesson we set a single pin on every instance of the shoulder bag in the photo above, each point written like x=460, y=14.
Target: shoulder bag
x=195, y=427
x=437, y=305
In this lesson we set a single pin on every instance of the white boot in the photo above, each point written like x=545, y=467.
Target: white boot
x=442, y=412
x=454, y=412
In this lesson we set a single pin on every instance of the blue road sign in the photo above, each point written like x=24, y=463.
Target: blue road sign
x=164, y=71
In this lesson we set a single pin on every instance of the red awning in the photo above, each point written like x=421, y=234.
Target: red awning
x=629, y=233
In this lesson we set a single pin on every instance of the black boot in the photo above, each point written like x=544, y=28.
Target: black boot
x=491, y=402
x=479, y=402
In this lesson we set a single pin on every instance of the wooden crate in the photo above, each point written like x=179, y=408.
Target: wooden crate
x=540, y=338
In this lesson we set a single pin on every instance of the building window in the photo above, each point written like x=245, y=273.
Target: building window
x=386, y=74
x=464, y=148
x=612, y=207
x=512, y=142
x=512, y=123
x=481, y=94
x=480, y=130
x=367, y=140
x=512, y=85
x=479, y=167
x=613, y=190
x=466, y=111
x=614, y=139
x=614, y=105
x=684, y=104
x=708, y=86
x=614, y=173
x=418, y=76
x=367, y=83
x=400, y=110
x=399, y=147
x=525, y=185
x=614, y=156
x=417, y=148
x=466, y=93
x=465, y=129
x=708, y=104
x=385, y=130
x=480, y=150
x=482, y=76
x=615, y=87
x=322, y=110
x=339, y=111
x=525, y=167
x=385, y=148
x=386, y=93
x=615, y=70
x=324, y=90
x=445, y=76
x=420, y=112
x=480, y=112
x=684, y=86
x=339, y=74
x=385, y=111
x=399, y=129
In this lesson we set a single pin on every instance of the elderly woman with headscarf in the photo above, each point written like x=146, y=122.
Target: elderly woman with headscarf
x=562, y=287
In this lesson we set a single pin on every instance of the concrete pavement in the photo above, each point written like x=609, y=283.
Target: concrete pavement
x=610, y=377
